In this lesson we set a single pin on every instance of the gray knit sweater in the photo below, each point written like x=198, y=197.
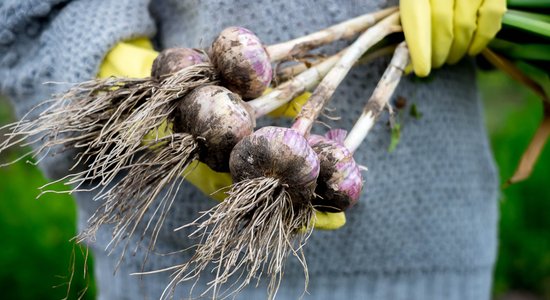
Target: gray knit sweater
x=425, y=227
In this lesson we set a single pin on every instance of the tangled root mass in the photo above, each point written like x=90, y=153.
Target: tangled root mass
x=249, y=234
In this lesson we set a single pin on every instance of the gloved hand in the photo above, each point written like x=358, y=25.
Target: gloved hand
x=134, y=58
x=292, y=108
x=439, y=31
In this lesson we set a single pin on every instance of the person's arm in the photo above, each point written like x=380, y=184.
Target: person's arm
x=62, y=42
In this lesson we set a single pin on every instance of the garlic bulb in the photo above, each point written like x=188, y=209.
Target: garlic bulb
x=280, y=153
x=172, y=60
x=242, y=61
x=340, y=182
x=218, y=119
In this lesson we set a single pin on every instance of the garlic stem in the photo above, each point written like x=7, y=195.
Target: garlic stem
x=286, y=73
x=379, y=98
x=287, y=91
x=344, y=30
x=325, y=90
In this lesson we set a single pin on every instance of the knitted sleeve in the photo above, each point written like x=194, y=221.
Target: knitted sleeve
x=63, y=42
x=426, y=229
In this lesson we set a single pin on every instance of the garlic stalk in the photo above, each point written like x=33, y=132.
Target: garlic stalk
x=379, y=99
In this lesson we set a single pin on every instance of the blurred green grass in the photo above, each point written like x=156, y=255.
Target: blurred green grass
x=35, y=255
x=512, y=116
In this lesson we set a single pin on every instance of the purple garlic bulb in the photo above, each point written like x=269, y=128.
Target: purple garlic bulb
x=280, y=153
x=340, y=182
x=218, y=118
x=172, y=60
x=242, y=61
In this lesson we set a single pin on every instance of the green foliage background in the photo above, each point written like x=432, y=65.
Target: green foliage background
x=35, y=253
x=512, y=116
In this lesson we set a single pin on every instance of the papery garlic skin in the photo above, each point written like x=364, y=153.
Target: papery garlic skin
x=218, y=119
x=340, y=182
x=280, y=153
x=172, y=60
x=242, y=61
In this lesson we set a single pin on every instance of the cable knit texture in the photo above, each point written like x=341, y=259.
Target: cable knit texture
x=425, y=227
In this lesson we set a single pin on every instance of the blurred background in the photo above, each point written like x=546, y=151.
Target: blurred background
x=37, y=258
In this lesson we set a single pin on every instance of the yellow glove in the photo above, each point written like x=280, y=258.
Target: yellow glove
x=134, y=58
x=443, y=31
x=292, y=108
